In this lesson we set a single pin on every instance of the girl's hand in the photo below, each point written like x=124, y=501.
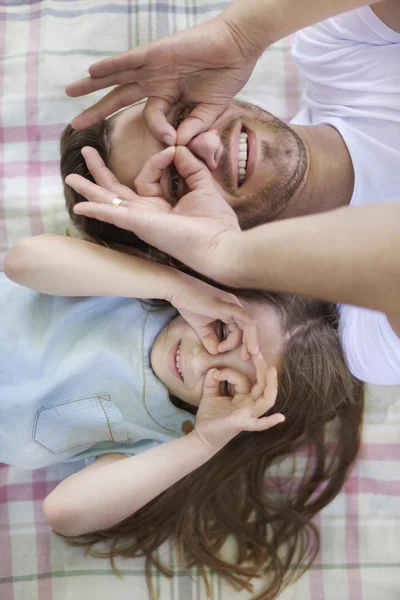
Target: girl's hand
x=220, y=418
x=201, y=305
x=201, y=230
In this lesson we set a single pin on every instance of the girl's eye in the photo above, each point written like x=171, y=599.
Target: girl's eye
x=224, y=388
x=221, y=331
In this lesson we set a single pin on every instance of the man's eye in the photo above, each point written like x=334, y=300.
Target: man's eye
x=181, y=116
x=174, y=182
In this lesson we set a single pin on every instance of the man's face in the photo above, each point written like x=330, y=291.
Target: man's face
x=256, y=160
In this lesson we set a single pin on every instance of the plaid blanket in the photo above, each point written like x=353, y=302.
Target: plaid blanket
x=43, y=45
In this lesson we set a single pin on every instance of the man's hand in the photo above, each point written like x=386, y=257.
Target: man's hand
x=205, y=65
x=201, y=230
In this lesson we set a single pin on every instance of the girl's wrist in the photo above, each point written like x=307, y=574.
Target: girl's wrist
x=205, y=447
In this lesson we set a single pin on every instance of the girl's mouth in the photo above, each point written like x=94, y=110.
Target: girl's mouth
x=174, y=361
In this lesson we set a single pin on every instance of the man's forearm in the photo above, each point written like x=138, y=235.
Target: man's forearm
x=263, y=22
x=65, y=266
x=350, y=255
x=99, y=498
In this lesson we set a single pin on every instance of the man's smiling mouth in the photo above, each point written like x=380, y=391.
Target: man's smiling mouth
x=242, y=157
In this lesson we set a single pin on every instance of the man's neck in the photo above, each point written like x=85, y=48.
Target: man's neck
x=329, y=181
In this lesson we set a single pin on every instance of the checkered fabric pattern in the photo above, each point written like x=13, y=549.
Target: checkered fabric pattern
x=45, y=44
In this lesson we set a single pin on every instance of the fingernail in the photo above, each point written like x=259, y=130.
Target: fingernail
x=274, y=372
x=259, y=355
x=168, y=139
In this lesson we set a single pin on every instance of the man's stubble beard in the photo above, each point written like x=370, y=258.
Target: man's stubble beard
x=268, y=203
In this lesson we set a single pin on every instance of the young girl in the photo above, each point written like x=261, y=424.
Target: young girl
x=94, y=376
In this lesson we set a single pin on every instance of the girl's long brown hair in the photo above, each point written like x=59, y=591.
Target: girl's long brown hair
x=240, y=493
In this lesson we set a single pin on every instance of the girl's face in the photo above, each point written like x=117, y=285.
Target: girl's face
x=194, y=361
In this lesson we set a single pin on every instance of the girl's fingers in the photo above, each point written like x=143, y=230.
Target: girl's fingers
x=146, y=183
x=238, y=380
x=155, y=115
x=261, y=374
x=267, y=400
x=211, y=384
x=232, y=340
x=209, y=338
x=251, y=339
x=266, y=422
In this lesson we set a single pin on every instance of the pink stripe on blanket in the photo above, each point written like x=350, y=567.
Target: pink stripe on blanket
x=32, y=123
x=46, y=133
x=44, y=585
x=6, y=566
x=33, y=169
x=354, y=582
x=3, y=225
x=316, y=575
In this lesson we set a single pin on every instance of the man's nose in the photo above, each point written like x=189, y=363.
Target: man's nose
x=208, y=147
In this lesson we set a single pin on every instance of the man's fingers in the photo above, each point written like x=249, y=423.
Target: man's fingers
x=87, y=85
x=119, y=97
x=146, y=183
x=193, y=170
x=155, y=115
x=131, y=59
x=201, y=119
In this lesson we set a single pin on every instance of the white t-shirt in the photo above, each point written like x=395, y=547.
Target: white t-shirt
x=351, y=65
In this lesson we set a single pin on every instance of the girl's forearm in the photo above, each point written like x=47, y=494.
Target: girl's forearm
x=260, y=23
x=99, y=498
x=65, y=266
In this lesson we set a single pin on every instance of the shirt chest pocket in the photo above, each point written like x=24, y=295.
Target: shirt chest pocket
x=75, y=424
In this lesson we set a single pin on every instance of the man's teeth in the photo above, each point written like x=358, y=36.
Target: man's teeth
x=242, y=157
x=178, y=365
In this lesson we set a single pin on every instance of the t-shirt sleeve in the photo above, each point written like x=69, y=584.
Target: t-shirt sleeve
x=371, y=347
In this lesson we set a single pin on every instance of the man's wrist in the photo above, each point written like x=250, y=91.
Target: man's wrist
x=244, y=19
x=234, y=268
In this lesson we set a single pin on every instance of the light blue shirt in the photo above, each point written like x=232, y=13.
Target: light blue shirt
x=76, y=379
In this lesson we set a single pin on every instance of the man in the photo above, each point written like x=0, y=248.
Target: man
x=342, y=149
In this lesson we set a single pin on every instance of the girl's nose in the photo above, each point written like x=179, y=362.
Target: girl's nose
x=201, y=362
x=208, y=147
